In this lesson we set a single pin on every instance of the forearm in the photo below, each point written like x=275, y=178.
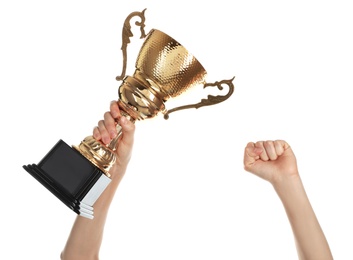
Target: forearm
x=310, y=240
x=86, y=234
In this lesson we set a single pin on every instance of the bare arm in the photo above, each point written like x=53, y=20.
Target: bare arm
x=86, y=235
x=275, y=162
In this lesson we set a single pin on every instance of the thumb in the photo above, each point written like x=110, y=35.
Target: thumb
x=251, y=155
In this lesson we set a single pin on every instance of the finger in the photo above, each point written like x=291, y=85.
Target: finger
x=270, y=150
x=114, y=109
x=105, y=137
x=128, y=130
x=284, y=144
x=263, y=155
x=109, y=123
x=279, y=146
x=96, y=133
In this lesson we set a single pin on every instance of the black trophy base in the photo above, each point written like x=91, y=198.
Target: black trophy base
x=71, y=177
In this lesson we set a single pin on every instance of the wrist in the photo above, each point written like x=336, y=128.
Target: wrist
x=287, y=183
x=117, y=173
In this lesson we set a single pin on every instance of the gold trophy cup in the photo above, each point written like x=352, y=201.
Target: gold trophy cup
x=164, y=70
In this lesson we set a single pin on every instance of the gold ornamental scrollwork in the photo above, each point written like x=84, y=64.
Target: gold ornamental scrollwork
x=127, y=33
x=211, y=100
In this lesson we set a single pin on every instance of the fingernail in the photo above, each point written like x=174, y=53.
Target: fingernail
x=112, y=134
x=123, y=120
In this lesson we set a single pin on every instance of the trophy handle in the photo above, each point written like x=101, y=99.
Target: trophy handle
x=211, y=100
x=126, y=34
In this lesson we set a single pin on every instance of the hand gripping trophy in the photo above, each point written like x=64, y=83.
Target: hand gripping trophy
x=78, y=175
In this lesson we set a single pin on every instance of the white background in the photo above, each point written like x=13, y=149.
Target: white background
x=185, y=195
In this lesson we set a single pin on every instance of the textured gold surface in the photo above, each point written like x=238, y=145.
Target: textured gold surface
x=169, y=67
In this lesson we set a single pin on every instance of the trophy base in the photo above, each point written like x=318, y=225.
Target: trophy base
x=71, y=177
